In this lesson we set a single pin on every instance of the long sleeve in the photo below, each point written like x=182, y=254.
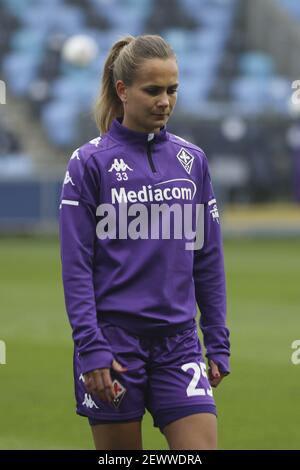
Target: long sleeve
x=77, y=225
x=209, y=279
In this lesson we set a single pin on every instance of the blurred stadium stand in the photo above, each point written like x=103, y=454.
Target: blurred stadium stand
x=234, y=98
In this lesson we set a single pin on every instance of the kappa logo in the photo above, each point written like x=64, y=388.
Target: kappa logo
x=68, y=179
x=96, y=141
x=120, y=168
x=119, y=391
x=119, y=165
x=75, y=154
x=89, y=402
x=186, y=159
x=212, y=204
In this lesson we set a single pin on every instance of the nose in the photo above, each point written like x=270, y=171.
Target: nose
x=163, y=101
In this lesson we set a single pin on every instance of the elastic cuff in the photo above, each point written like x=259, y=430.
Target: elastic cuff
x=222, y=361
x=94, y=422
x=167, y=416
x=95, y=360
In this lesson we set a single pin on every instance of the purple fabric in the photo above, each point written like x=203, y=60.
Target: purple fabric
x=166, y=373
x=95, y=422
x=165, y=417
x=148, y=283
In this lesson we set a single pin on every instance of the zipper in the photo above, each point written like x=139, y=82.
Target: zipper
x=149, y=155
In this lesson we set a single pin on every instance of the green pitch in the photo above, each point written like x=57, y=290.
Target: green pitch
x=258, y=403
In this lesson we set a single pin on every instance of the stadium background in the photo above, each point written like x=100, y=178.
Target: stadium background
x=238, y=60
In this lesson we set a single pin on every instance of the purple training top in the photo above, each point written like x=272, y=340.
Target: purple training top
x=150, y=285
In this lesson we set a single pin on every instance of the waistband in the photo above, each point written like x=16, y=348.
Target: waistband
x=141, y=326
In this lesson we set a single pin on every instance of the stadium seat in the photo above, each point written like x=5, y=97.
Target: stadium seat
x=198, y=64
x=210, y=39
x=69, y=19
x=16, y=165
x=193, y=92
x=279, y=94
x=179, y=39
x=81, y=90
x=29, y=39
x=60, y=121
x=250, y=93
x=256, y=64
x=20, y=69
x=190, y=6
x=16, y=7
x=292, y=7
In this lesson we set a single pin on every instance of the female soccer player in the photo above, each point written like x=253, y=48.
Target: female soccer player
x=134, y=269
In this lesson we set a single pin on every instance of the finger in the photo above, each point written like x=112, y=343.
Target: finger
x=214, y=370
x=107, y=386
x=89, y=383
x=118, y=367
x=94, y=384
x=215, y=382
x=98, y=387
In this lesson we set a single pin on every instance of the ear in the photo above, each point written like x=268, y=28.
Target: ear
x=121, y=90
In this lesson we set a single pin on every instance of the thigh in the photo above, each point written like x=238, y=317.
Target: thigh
x=178, y=382
x=119, y=436
x=130, y=386
x=197, y=432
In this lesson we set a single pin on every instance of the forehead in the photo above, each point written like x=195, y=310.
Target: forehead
x=160, y=72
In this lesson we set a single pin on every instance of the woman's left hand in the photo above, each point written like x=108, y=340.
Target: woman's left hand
x=214, y=375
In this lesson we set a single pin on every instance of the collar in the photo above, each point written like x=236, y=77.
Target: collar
x=120, y=132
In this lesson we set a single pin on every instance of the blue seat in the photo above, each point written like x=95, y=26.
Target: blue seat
x=250, y=94
x=210, y=15
x=142, y=6
x=248, y=108
x=256, y=64
x=19, y=70
x=211, y=39
x=126, y=22
x=292, y=6
x=279, y=93
x=216, y=17
x=60, y=119
x=192, y=93
x=200, y=64
x=205, y=40
x=17, y=7
x=15, y=165
x=29, y=39
x=65, y=18
x=261, y=89
x=178, y=39
x=190, y=6
x=80, y=90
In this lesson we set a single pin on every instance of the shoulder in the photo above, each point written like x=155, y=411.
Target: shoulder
x=84, y=165
x=86, y=156
x=93, y=147
x=191, y=148
x=81, y=164
x=188, y=151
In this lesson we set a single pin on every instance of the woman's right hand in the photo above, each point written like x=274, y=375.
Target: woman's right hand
x=98, y=382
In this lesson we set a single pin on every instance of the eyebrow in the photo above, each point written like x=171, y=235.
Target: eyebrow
x=175, y=85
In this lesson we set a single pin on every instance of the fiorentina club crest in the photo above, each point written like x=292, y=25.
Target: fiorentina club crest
x=186, y=160
x=119, y=392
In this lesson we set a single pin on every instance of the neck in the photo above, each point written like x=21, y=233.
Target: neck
x=136, y=128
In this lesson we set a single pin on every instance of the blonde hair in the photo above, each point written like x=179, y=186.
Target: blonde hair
x=122, y=63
